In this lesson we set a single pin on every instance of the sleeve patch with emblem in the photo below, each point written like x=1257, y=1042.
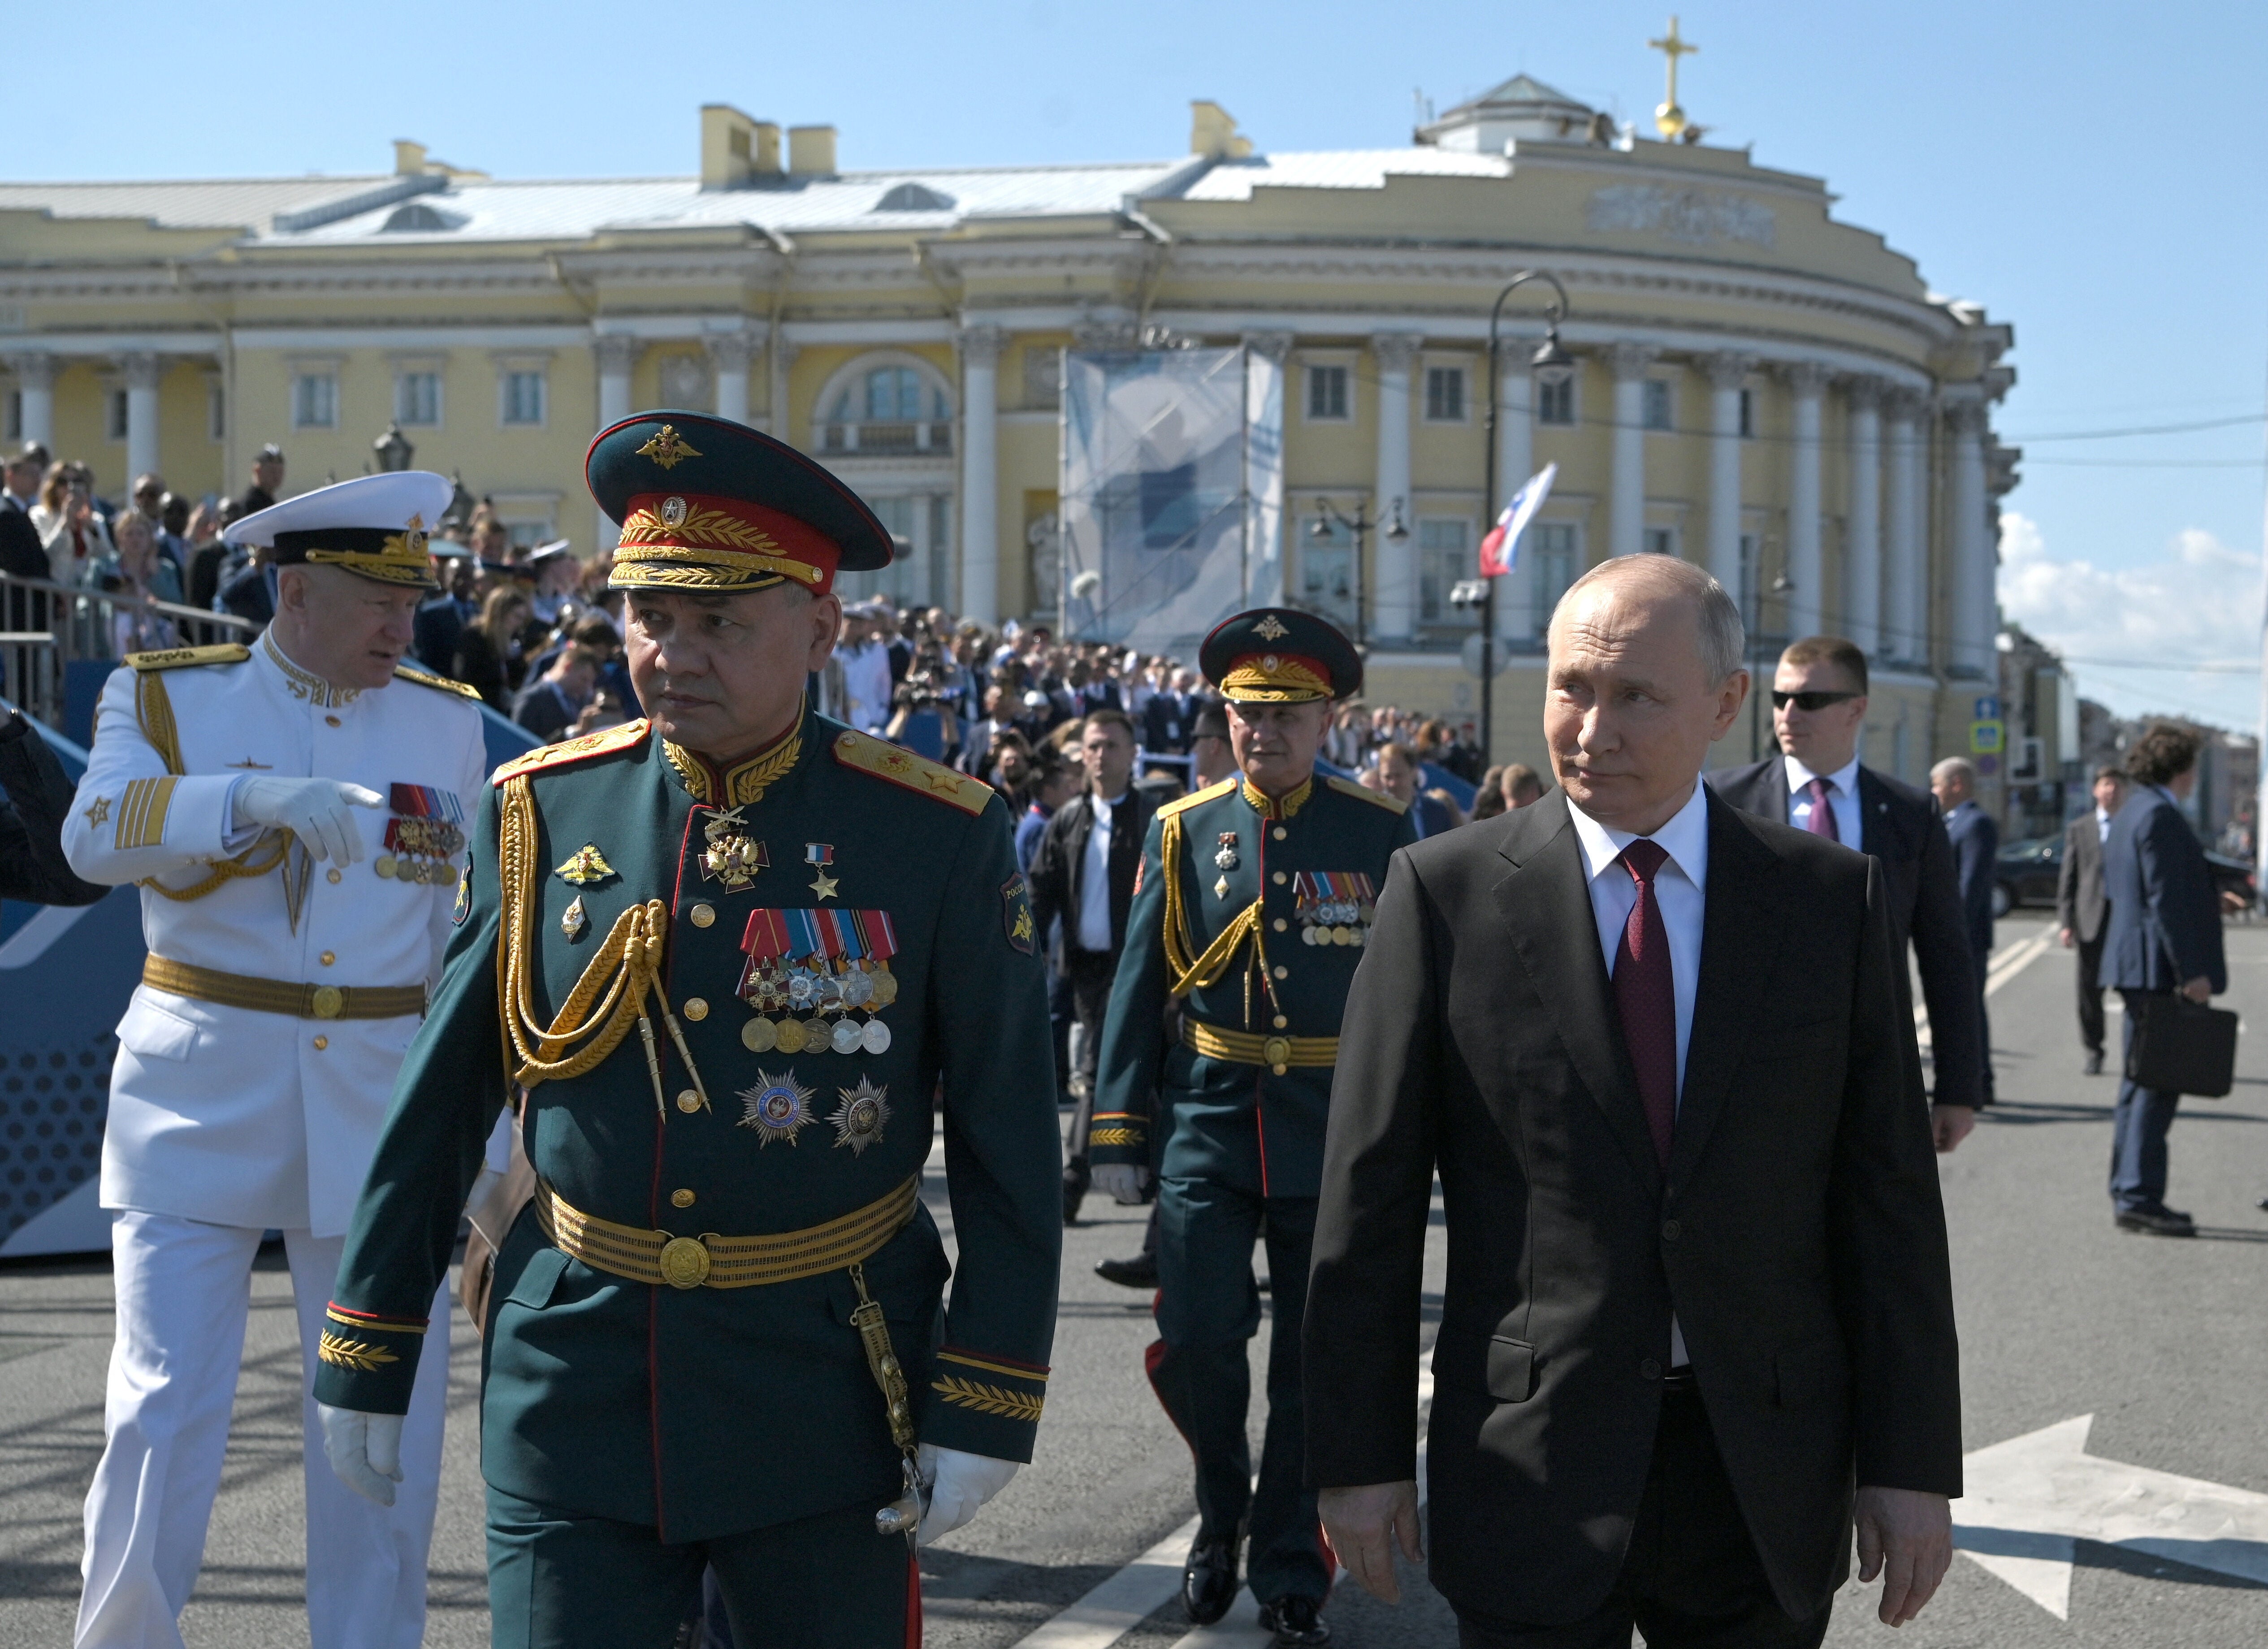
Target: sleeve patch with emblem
x=1016, y=913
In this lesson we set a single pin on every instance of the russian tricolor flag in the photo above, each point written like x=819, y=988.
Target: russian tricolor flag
x=1500, y=550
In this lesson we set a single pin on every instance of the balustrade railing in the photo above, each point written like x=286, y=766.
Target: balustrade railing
x=45, y=627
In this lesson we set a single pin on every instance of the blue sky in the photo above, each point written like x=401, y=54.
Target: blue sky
x=2091, y=173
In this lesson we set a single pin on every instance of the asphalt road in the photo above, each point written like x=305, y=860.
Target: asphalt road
x=2164, y=1343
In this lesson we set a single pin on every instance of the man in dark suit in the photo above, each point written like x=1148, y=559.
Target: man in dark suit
x=21, y=553
x=1819, y=706
x=1698, y=1285
x=1084, y=872
x=1975, y=841
x=2163, y=938
x=2080, y=906
x=1399, y=774
x=266, y=476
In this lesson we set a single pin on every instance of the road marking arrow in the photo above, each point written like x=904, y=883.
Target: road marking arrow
x=2033, y=1497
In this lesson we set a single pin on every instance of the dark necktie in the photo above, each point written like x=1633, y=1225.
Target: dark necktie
x=1822, y=823
x=1646, y=997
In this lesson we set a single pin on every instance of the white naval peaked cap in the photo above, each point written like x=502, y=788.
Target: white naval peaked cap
x=373, y=525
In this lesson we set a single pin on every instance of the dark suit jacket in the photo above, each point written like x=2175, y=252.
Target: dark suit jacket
x=1797, y=1232
x=2079, y=904
x=1902, y=828
x=1976, y=853
x=38, y=794
x=22, y=553
x=1058, y=872
x=2165, y=917
x=1165, y=722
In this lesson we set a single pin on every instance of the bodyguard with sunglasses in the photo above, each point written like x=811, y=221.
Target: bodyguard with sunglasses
x=1818, y=783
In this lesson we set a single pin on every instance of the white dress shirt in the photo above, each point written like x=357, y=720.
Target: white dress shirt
x=1849, y=823
x=1094, y=877
x=1680, y=889
x=2101, y=824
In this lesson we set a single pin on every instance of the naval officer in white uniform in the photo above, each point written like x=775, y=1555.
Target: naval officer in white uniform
x=294, y=813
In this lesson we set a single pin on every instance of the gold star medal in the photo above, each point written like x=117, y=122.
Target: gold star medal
x=820, y=856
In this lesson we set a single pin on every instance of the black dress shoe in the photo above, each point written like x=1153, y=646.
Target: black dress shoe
x=1141, y=1271
x=2158, y=1222
x=1298, y=1622
x=1209, y=1579
x=2094, y=1063
x=1076, y=1179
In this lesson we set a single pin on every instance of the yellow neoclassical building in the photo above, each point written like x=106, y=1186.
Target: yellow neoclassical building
x=1758, y=387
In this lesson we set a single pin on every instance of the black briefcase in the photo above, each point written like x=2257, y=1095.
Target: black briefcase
x=2180, y=1046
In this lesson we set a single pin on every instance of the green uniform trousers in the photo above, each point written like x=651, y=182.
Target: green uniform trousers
x=560, y=1579
x=1208, y=1311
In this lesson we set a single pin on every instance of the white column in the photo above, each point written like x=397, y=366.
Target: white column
x=1515, y=462
x=1905, y=613
x=1725, y=373
x=1805, y=570
x=617, y=353
x=729, y=354
x=35, y=381
x=779, y=357
x=1626, y=487
x=1971, y=653
x=1862, y=540
x=141, y=370
x=979, y=472
x=1395, y=583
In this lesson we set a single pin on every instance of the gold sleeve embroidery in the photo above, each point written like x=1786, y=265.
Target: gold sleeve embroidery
x=142, y=815
x=1014, y=1405
x=356, y=1354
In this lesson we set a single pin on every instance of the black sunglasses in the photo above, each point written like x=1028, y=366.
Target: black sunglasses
x=1808, y=701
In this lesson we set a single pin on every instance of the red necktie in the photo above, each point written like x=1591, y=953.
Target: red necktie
x=1645, y=998
x=1822, y=823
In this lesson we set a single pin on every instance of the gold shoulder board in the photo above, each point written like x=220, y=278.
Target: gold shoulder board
x=568, y=752
x=426, y=678
x=902, y=766
x=1183, y=802
x=181, y=658
x=1375, y=798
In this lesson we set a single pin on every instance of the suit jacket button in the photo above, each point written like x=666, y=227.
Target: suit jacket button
x=1670, y=1230
x=1649, y=1370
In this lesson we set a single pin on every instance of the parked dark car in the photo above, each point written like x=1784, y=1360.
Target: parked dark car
x=2027, y=873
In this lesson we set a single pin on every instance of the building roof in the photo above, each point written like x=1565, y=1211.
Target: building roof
x=1336, y=169
x=189, y=203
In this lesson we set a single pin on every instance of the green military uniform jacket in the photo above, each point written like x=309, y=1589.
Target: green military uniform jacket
x=1295, y=877
x=705, y=1411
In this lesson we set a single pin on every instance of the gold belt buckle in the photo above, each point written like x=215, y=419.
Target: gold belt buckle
x=684, y=1263
x=328, y=1002
x=1277, y=1051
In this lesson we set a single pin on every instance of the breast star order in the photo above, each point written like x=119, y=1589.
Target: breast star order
x=823, y=884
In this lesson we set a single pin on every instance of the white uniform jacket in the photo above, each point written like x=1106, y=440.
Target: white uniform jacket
x=232, y=1114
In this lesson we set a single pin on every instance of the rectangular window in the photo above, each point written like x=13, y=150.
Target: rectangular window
x=315, y=400
x=523, y=398
x=1553, y=544
x=215, y=412
x=1660, y=540
x=1326, y=567
x=528, y=534
x=1748, y=415
x=1555, y=401
x=15, y=431
x=1444, y=394
x=1660, y=412
x=1042, y=379
x=417, y=399
x=1444, y=559
x=113, y=403
x=1327, y=394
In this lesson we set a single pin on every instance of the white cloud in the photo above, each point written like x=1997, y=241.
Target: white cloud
x=2198, y=602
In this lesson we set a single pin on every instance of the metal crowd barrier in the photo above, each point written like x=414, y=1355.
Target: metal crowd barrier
x=47, y=628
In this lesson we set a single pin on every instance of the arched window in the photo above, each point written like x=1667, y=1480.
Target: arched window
x=894, y=406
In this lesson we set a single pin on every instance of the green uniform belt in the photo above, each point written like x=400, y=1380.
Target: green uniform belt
x=714, y=1262
x=1279, y=1054
x=280, y=996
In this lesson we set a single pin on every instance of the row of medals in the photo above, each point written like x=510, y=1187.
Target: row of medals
x=828, y=999
x=428, y=845
x=1333, y=925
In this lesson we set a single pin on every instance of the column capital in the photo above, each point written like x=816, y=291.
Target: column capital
x=981, y=346
x=730, y=351
x=1092, y=332
x=1863, y=391
x=1629, y=361
x=1965, y=417
x=1271, y=346
x=1397, y=351
x=140, y=368
x=1807, y=379
x=1902, y=404
x=1727, y=369
x=34, y=369
x=617, y=351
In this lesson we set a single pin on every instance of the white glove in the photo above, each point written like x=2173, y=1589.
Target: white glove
x=1123, y=1182
x=960, y=1485
x=365, y=1450
x=313, y=809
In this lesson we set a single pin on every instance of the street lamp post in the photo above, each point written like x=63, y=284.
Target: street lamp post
x=1552, y=363
x=1359, y=527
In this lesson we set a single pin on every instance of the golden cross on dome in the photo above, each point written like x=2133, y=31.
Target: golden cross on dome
x=1669, y=120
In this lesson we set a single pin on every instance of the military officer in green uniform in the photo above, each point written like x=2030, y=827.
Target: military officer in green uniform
x=741, y=960
x=1250, y=909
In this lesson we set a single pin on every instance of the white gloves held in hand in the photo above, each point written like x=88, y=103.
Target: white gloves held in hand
x=363, y=1449
x=1122, y=1181
x=959, y=1485
x=315, y=810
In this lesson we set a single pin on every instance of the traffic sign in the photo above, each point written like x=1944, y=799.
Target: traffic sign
x=1986, y=737
x=1988, y=707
